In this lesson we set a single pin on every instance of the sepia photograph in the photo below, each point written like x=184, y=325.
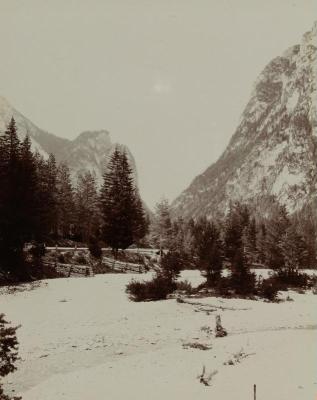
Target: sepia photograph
x=158, y=200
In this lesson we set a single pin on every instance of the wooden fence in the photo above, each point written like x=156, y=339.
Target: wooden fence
x=122, y=266
x=71, y=269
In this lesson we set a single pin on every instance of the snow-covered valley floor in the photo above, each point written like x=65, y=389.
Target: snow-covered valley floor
x=82, y=339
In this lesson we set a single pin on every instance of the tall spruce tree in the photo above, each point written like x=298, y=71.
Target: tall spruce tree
x=276, y=229
x=294, y=250
x=239, y=240
x=233, y=235
x=305, y=221
x=241, y=279
x=65, y=201
x=29, y=212
x=87, y=211
x=162, y=225
x=18, y=203
x=47, y=196
x=140, y=220
x=11, y=251
x=261, y=243
x=119, y=206
x=50, y=194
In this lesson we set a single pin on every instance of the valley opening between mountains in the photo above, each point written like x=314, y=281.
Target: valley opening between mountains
x=210, y=296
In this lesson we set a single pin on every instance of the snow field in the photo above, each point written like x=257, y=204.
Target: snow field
x=83, y=339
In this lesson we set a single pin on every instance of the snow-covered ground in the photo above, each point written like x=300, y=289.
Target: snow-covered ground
x=81, y=338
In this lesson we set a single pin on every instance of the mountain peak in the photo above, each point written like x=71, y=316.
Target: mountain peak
x=273, y=151
x=89, y=151
x=99, y=134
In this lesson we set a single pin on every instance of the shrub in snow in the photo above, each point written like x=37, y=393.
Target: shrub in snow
x=242, y=281
x=156, y=289
x=292, y=278
x=224, y=286
x=171, y=265
x=8, y=352
x=163, y=284
x=268, y=288
x=185, y=286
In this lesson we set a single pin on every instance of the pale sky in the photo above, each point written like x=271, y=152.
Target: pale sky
x=168, y=78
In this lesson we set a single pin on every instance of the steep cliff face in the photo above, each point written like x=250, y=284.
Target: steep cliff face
x=88, y=152
x=274, y=149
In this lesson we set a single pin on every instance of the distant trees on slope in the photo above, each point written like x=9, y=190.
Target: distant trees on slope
x=239, y=241
x=226, y=249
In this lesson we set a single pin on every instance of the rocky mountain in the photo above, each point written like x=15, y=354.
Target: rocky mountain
x=274, y=149
x=41, y=141
x=88, y=152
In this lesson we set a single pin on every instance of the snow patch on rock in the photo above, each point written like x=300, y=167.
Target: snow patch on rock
x=292, y=101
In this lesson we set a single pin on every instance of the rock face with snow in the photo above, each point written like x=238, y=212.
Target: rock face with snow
x=274, y=149
x=88, y=152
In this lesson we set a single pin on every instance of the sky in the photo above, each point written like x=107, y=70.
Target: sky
x=168, y=78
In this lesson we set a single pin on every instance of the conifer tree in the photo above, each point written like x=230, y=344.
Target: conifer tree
x=208, y=248
x=305, y=221
x=239, y=240
x=261, y=243
x=251, y=240
x=119, y=206
x=276, y=228
x=11, y=235
x=65, y=201
x=8, y=353
x=29, y=212
x=293, y=249
x=162, y=226
x=87, y=212
x=234, y=226
x=140, y=220
x=47, y=196
x=241, y=279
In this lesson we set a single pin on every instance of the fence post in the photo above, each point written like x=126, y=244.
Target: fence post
x=254, y=392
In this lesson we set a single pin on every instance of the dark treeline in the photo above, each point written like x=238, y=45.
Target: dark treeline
x=274, y=241
x=242, y=240
x=39, y=205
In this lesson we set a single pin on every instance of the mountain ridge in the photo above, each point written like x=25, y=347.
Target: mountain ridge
x=274, y=148
x=89, y=151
